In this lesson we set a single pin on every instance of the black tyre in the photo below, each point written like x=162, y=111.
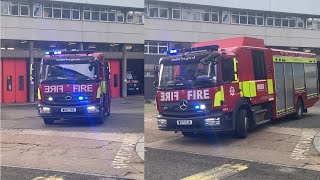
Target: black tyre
x=48, y=121
x=189, y=134
x=242, y=124
x=299, y=110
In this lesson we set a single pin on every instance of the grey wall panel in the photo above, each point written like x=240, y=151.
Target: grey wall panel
x=298, y=71
x=289, y=85
x=23, y=28
x=280, y=86
x=311, y=78
x=184, y=31
x=290, y=6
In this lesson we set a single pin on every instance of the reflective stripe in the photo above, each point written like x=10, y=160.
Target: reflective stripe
x=248, y=89
x=235, y=69
x=39, y=94
x=98, y=92
x=270, y=86
x=103, y=86
x=219, y=96
x=293, y=59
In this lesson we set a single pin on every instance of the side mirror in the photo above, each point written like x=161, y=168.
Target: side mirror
x=156, y=75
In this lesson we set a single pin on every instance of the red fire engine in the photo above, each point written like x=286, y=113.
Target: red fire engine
x=232, y=85
x=74, y=85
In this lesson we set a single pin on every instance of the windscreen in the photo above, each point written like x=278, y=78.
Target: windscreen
x=187, y=74
x=73, y=71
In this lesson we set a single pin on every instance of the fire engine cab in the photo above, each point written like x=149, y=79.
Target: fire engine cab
x=74, y=85
x=232, y=85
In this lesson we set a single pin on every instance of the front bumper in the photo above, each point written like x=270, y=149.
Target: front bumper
x=198, y=123
x=81, y=111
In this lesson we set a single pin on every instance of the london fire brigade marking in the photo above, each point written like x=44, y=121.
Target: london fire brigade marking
x=191, y=95
x=82, y=88
x=303, y=146
x=123, y=156
x=53, y=89
x=231, y=91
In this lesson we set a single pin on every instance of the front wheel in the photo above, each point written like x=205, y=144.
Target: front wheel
x=299, y=110
x=48, y=121
x=242, y=124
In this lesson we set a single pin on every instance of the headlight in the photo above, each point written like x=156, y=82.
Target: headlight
x=202, y=106
x=50, y=98
x=162, y=123
x=212, y=122
x=92, y=109
x=45, y=110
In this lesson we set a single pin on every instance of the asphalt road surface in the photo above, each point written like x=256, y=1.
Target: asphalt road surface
x=72, y=149
x=278, y=150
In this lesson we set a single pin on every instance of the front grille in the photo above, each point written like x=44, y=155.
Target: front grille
x=172, y=109
x=60, y=98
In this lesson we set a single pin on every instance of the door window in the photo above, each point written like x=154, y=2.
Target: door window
x=9, y=83
x=115, y=80
x=21, y=83
x=259, y=65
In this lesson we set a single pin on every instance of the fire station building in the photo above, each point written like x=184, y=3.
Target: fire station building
x=31, y=27
x=286, y=24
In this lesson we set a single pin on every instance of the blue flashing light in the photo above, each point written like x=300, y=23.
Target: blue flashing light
x=197, y=107
x=80, y=98
x=173, y=51
x=46, y=53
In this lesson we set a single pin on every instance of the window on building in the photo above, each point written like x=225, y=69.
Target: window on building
x=57, y=11
x=243, y=17
x=196, y=14
x=251, y=18
x=187, y=13
x=120, y=16
x=176, y=13
x=146, y=9
x=163, y=47
x=5, y=7
x=300, y=22
x=66, y=11
x=309, y=23
x=158, y=11
x=24, y=8
x=47, y=10
x=112, y=15
x=226, y=17
x=206, y=15
x=260, y=19
x=235, y=17
x=284, y=22
x=270, y=21
x=215, y=15
x=130, y=17
x=95, y=14
x=292, y=22
x=154, y=11
x=153, y=47
x=103, y=14
x=14, y=8
x=259, y=65
x=316, y=23
x=37, y=10
x=164, y=13
x=86, y=13
x=277, y=21
x=76, y=13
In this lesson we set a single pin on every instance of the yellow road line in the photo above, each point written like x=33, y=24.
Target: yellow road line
x=47, y=178
x=218, y=172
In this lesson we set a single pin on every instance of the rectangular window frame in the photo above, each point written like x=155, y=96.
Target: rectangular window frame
x=7, y=3
x=216, y=12
x=11, y=4
x=228, y=20
x=119, y=14
x=75, y=9
x=127, y=15
x=260, y=16
x=180, y=13
x=235, y=14
x=56, y=8
x=40, y=6
x=24, y=5
x=47, y=7
x=309, y=20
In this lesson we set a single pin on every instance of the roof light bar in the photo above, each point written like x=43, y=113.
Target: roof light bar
x=67, y=52
x=184, y=50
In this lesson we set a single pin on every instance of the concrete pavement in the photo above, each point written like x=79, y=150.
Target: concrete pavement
x=316, y=142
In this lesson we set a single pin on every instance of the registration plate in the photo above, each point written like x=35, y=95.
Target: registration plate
x=184, y=122
x=68, y=109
